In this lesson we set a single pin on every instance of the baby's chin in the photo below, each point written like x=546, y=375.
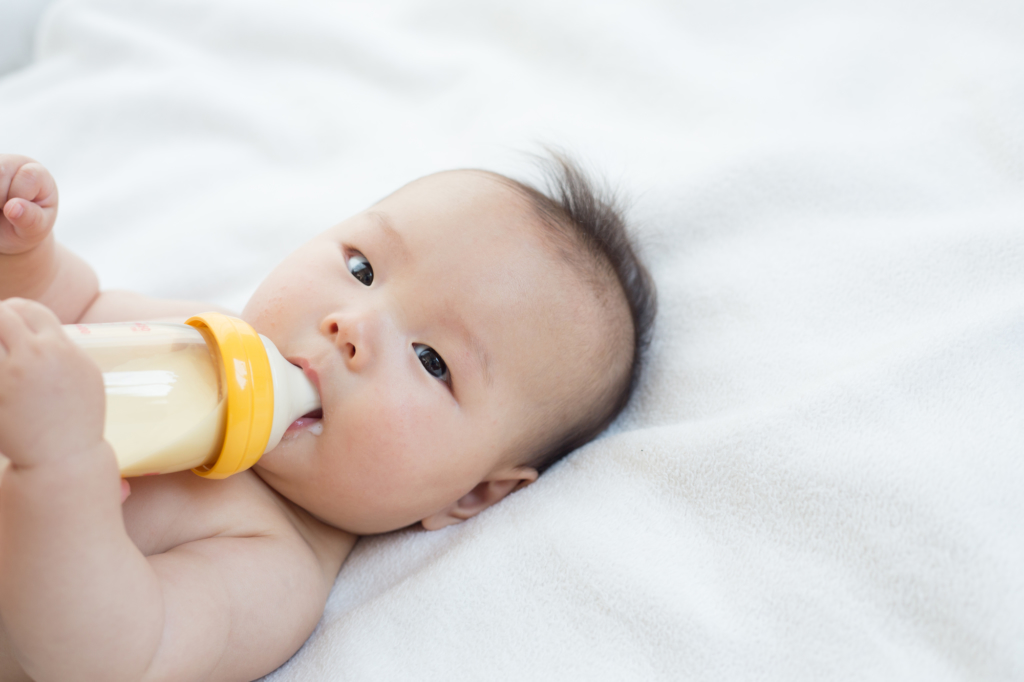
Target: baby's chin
x=275, y=470
x=286, y=454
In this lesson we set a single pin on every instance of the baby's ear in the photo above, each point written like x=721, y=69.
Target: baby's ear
x=489, y=491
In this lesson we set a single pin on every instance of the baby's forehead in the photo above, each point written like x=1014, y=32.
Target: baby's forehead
x=456, y=192
x=480, y=239
x=474, y=216
x=493, y=221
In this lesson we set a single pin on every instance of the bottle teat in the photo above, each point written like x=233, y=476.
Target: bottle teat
x=294, y=394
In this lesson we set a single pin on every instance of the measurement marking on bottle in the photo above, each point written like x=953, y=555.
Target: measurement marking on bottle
x=140, y=327
x=83, y=329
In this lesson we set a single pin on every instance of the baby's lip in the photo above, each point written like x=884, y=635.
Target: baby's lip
x=304, y=421
x=310, y=373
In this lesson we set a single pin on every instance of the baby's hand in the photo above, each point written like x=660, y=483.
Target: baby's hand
x=28, y=196
x=51, y=393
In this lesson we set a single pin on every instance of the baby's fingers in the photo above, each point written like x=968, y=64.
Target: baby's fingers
x=36, y=316
x=34, y=183
x=20, y=319
x=13, y=330
x=30, y=209
x=30, y=222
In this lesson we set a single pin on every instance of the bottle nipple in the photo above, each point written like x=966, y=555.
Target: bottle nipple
x=294, y=394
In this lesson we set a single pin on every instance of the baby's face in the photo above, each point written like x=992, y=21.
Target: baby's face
x=432, y=372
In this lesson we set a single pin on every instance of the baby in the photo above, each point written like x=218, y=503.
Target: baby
x=464, y=333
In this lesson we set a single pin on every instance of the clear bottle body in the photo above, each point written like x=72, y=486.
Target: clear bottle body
x=166, y=398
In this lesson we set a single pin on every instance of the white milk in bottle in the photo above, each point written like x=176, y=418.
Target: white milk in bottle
x=210, y=395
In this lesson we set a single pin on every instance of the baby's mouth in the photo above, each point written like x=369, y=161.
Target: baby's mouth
x=311, y=420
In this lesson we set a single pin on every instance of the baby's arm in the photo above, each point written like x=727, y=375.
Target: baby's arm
x=33, y=265
x=77, y=598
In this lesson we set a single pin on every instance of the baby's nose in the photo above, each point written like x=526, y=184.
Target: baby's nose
x=353, y=334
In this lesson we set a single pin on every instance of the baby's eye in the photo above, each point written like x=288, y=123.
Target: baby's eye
x=360, y=268
x=432, y=362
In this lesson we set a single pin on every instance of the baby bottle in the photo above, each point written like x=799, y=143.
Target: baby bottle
x=209, y=395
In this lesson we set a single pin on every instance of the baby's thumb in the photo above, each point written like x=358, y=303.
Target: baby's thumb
x=30, y=222
x=126, y=490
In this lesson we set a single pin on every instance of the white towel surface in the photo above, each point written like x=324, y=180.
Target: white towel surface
x=822, y=474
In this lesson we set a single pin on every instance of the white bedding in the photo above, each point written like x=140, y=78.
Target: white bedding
x=822, y=475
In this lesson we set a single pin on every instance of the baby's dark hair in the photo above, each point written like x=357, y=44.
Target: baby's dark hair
x=590, y=218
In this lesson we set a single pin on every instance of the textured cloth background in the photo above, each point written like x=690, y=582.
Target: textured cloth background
x=822, y=475
x=18, y=22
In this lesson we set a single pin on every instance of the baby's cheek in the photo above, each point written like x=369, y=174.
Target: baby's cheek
x=265, y=311
x=402, y=434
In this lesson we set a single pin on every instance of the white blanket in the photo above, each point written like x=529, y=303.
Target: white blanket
x=822, y=475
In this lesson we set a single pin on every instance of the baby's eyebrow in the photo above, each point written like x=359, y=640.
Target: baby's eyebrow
x=476, y=349
x=471, y=348
x=395, y=240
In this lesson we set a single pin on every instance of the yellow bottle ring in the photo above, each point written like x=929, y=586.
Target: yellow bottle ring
x=250, y=392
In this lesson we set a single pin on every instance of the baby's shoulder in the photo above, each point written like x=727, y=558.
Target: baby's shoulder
x=164, y=512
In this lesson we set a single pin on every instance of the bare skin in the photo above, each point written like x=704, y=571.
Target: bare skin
x=187, y=555
x=224, y=580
